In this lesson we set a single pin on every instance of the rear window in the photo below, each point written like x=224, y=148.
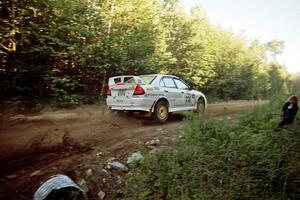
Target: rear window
x=117, y=80
x=127, y=79
x=147, y=79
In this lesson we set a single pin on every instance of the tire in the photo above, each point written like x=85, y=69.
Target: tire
x=200, y=107
x=161, y=112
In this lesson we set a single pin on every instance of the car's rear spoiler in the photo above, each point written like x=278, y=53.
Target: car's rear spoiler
x=123, y=82
x=118, y=80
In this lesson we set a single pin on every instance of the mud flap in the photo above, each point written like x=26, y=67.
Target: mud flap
x=152, y=107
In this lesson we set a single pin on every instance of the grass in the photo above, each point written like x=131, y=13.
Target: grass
x=248, y=160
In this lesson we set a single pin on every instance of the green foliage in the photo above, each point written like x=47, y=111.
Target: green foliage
x=247, y=160
x=64, y=90
x=296, y=83
x=88, y=41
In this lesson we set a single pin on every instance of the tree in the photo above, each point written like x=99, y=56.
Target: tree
x=65, y=50
x=296, y=83
x=275, y=47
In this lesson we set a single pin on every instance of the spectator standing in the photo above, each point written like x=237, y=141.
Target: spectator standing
x=289, y=109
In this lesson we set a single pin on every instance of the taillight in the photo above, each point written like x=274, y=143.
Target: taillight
x=138, y=90
x=108, y=91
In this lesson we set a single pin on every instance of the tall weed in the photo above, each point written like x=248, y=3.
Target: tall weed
x=251, y=159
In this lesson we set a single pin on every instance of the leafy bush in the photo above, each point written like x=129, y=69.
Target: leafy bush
x=65, y=90
x=247, y=160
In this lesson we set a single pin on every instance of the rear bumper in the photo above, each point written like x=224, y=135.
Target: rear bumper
x=132, y=104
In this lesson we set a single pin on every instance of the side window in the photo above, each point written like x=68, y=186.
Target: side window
x=161, y=83
x=181, y=85
x=169, y=82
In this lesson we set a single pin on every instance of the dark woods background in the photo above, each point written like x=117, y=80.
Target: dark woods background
x=66, y=50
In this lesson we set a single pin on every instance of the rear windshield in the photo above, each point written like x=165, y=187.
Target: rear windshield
x=143, y=79
x=129, y=80
x=147, y=79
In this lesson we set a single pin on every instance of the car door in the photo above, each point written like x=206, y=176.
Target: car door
x=186, y=95
x=170, y=91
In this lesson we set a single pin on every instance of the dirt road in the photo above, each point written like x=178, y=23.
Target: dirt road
x=75, y=141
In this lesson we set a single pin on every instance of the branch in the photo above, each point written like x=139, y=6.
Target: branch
x=7, y=49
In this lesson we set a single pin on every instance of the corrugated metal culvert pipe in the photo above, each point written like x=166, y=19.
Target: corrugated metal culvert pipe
x=59, y=187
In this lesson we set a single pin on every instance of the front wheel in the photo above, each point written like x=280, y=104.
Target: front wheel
x=200, y=107
x=161, y=112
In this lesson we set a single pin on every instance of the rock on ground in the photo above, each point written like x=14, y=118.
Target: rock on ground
x=101, y=194
x=119, y=166
x=137, y=156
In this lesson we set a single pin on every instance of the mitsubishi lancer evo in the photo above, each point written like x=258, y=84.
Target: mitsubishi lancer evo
x=156, y=94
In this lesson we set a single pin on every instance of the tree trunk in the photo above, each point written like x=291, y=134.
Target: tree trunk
x=103, y=86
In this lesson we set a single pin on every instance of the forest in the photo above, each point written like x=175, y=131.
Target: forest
x=65, y=51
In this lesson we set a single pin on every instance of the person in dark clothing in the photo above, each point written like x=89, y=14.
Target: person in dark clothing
x=289, y=109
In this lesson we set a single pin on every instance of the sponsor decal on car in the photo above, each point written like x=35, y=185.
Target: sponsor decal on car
x=149, y=89
x=155, y=95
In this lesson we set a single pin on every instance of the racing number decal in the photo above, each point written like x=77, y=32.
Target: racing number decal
x=188, y=98
x=194, y=99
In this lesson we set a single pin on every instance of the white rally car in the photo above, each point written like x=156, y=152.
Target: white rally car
x=156, y=93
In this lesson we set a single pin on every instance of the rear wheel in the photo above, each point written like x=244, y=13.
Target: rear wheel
x=161, y=112
x=200, y=108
